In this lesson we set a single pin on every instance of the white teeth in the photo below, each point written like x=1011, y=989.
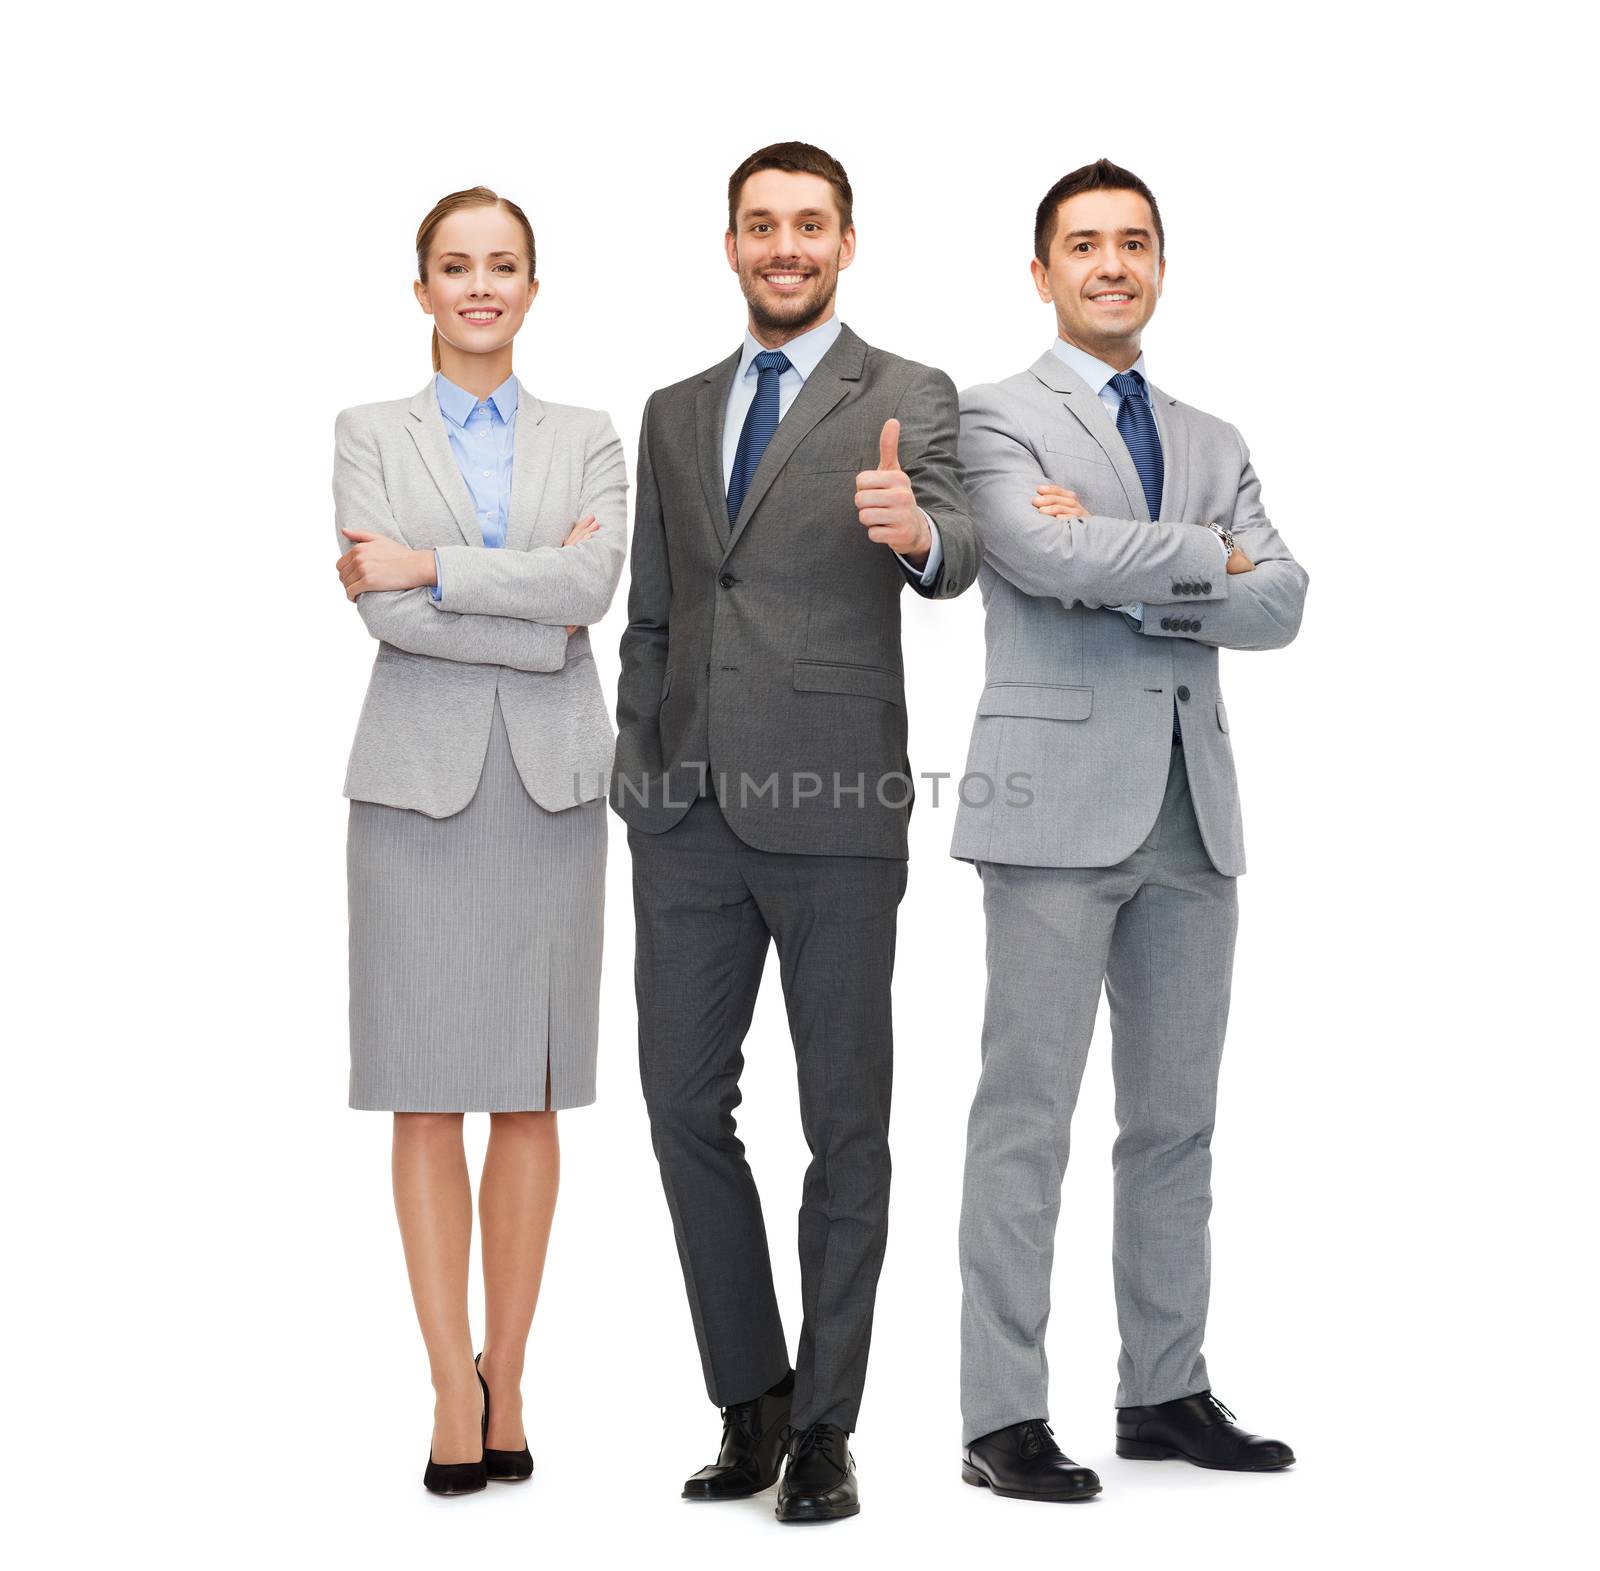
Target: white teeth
x=1112, y=299
x=784, y=278
x=480, y=316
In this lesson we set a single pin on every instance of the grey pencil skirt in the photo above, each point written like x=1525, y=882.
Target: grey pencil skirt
x=475, y=950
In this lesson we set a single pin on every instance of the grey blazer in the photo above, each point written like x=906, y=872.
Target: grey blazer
x=768, y=650
x=501, y=625
x=1077, y=700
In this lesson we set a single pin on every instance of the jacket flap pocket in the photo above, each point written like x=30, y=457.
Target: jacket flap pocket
x=1222, y=715
x=1036, y=701
x=864, y=681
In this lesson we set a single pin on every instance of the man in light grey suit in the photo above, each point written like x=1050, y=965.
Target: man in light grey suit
x=1125, y=542
x=787, y=497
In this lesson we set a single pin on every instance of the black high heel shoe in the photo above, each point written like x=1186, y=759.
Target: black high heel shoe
x=506, y=1467
x=459, y=1478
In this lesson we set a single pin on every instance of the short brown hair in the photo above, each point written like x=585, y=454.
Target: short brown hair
x=799, y=158
x=1101, y=175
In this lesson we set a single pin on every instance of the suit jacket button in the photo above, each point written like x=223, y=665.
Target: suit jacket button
x=1205, y=588
x=1197, y=624
x=1183, y=695
x=1177, y=589
x=1166, y=624
x=727, y=580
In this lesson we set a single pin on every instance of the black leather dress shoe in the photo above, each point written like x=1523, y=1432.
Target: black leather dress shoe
x=1199, y=1429
x=1023, y=1462
x=819, y=1484
x=751, y=1457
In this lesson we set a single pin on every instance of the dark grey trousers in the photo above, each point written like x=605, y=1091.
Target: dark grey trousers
x=705, y=906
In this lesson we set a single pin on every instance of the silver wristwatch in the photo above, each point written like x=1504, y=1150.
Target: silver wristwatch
x=1225, y=536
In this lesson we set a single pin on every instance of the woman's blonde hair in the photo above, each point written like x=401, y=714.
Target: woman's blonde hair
x=478, y=196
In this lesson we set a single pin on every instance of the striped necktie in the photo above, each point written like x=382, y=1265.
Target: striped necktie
x=1136, y=425
x=759, y=424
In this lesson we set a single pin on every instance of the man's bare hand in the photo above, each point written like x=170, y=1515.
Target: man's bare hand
x=1240, y=563
x=886, y=506
x=1058, y=502
x=377, y=562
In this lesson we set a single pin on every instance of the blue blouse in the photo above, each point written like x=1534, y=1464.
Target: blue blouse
x=482, y=435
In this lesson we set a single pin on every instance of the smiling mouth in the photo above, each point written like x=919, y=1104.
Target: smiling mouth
x=481, y=316
x=784, y=282
x=1113, y=297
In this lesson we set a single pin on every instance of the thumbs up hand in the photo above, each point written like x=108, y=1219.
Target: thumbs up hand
x=886, y=506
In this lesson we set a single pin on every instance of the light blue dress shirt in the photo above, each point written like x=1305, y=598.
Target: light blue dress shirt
x=482, y=435
x=804, y=353
x=1098, y=375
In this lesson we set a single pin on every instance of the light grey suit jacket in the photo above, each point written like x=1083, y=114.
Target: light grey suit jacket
x=1079, y=699
x=501, y=626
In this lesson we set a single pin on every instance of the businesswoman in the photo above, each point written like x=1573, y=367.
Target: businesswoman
x=481, y=531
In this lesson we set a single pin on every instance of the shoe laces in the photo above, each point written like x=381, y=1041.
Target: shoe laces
x=1220, y=1408
x=799, y=1442
x=740, y=1415
x=1036, y=1437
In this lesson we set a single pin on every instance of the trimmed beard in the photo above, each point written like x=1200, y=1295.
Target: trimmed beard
x=807, y=318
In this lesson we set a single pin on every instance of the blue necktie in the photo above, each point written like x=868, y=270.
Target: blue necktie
x=1136, y=425
x=759, y=425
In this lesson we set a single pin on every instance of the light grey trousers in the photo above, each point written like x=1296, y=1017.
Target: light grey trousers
x=1159, y=930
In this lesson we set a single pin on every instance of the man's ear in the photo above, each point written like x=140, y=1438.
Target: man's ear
x=1041, y=281
x=731, y=246
x=847, y=248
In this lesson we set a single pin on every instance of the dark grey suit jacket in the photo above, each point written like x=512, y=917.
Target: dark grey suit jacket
x=767, y=653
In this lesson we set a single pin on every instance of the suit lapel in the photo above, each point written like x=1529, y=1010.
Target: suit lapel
x=533, y=444
x=827, y=386
x=1173, y=430
x=433, y=443
x=710, y=414
x=1083, y=404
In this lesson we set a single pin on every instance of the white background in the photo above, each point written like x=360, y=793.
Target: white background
x=1379, y=268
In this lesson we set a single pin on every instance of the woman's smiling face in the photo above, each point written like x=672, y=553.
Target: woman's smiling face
x=479, y=288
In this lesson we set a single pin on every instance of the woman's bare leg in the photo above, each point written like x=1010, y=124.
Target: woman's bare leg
x=433, y=1200
x=516, y=1201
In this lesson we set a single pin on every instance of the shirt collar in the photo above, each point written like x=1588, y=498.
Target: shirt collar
x=1095, y=372
x=456, y=403
x=804, y=352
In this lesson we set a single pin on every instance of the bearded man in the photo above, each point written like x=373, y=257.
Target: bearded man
x=786, y=497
